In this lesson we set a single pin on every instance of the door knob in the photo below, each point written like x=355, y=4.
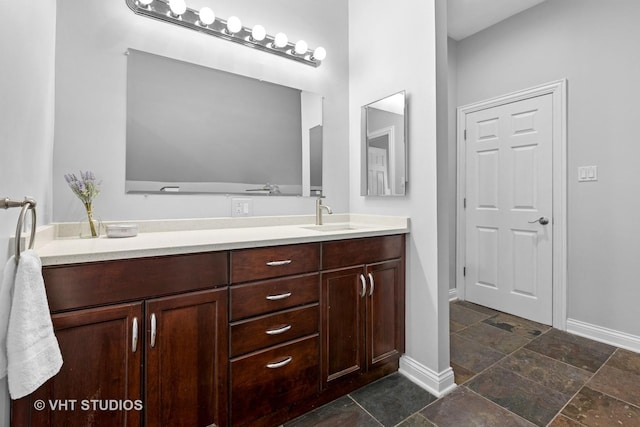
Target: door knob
x=542, y=220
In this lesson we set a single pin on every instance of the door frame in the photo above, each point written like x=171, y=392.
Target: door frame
x=558, y=91
x=390, y=132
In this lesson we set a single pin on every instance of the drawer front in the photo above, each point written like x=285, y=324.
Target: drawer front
x=264, y=263
x=266, y=331
x=258, y=298
x=262, y=383
x=107, y=282
x=345, y=253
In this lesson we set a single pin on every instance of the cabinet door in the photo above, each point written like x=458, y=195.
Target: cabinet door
x=385, y=312
x=343, y=305
x=187, y=360
x=101, y=364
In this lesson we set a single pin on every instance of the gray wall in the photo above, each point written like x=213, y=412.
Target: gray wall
x=26, y=119
x=208, y=125
x=594, y=45
x=379, y=69
x=90, y=123
x=446, y=189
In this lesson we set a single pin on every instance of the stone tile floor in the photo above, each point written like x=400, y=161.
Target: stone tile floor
x=510, y=372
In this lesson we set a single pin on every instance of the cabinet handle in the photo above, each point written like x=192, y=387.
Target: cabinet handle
x=153, y=330
x=277, y=263
x=278, y=331
x=280, y=364
x=373, y=284
x=278, y=297
x=363, y=281
x=134, y=335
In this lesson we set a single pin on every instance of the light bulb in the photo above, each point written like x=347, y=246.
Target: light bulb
x=234, y=24
x=280, y=40
x=207, y=17
x=258, y=33
x=145, y=2
x=178, y=7
x=301, y=47
x=319, y=53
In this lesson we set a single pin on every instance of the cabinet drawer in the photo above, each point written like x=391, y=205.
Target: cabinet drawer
x=268, y=296
x=106, y=282
x=345, y=253
x=263, y=382
x=264, y=263
x=266, y=331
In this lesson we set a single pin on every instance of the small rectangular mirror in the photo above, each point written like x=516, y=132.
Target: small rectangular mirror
x=384, y=147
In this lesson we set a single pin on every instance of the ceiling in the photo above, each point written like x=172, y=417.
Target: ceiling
x=467, y=17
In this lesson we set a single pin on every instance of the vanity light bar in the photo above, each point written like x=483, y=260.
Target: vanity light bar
x=176, y=12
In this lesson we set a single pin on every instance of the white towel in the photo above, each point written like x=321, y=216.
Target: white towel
x=6, y=294
x=33, y=353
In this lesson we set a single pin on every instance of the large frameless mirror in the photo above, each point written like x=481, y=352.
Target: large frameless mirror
x=193, y=129
x=384, y=147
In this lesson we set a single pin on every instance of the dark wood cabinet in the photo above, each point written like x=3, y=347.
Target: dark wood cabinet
x=385, y=313
x=343, y=316
x=362, y=308
x=102, y=361
x=171, y=370
x=186, y=360
x=248, y=337
x=274, y=332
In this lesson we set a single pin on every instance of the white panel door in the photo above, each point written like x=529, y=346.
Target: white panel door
x=378, y=171
x=509, y=183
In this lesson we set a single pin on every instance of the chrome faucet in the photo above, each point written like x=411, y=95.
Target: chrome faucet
x=273, y=189
x=319, y=208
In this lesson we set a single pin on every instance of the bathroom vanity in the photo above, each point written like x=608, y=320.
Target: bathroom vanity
x=249, y=330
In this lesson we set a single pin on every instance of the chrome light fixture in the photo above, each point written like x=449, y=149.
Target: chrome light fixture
x=205, y=21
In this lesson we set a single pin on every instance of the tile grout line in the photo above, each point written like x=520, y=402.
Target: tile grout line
x=500, y=406
x=580, y=389
x=602, y=392
x=592, y=374
x=500, y=360
x=464, y=384
x=560, y=412
x=505, y=355
x=498, y=313
x=562, y=361
x=515, y=373
x=417, y=413
x=364, y=409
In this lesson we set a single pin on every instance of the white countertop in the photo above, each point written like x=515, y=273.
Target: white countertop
x=56, y=245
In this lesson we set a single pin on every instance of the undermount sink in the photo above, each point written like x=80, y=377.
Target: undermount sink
x=333, y=227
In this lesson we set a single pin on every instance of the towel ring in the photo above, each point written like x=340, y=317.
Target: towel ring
x=28, y=205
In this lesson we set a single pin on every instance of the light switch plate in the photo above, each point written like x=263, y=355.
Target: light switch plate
x=587, y=173
x=241, y=206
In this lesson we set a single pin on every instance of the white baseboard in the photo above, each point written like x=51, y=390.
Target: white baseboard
x=453, y=294
x=438, y=384
x=605, y=335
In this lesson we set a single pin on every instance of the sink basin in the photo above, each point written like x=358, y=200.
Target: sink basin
x=333, y=227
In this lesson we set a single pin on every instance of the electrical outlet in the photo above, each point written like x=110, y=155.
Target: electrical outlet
x=241, y=207
x=587, y=173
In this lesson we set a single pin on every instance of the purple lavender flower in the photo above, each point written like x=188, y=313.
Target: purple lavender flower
x=85, y=188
